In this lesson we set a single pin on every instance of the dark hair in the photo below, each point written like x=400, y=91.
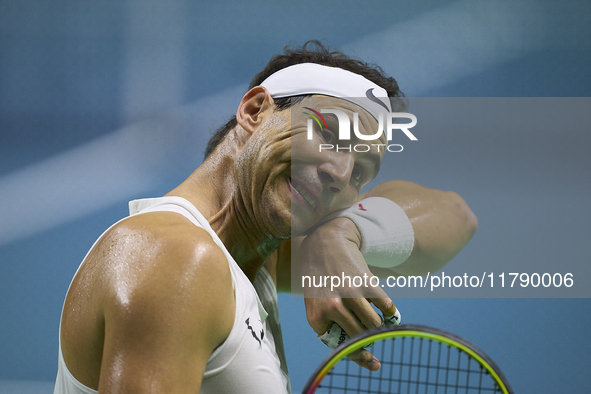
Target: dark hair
x=313, y=52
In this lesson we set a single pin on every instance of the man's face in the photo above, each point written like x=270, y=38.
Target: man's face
x=298, y=183
x=329, y=179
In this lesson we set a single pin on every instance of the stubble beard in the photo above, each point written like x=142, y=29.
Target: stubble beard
x=261, y=202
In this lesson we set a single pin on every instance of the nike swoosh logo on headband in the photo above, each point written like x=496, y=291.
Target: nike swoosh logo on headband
x=370, y=95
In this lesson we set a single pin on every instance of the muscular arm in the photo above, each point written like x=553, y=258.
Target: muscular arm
x=442, y=223
x=164, y=318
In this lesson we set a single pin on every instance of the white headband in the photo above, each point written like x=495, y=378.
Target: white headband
x=313, y=78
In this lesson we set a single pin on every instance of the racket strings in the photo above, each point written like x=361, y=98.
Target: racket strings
x=412, y=365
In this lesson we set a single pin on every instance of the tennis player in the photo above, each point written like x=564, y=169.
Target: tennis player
x=180, y=297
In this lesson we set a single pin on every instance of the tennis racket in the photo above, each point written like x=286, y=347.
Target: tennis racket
x=415, y=359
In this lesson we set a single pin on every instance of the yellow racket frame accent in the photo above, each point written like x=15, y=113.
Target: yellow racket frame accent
x=411, y=333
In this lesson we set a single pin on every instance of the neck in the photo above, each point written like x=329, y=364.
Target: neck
x=249, y=245
x=212, y=189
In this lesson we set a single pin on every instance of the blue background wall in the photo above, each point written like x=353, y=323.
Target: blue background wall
x=102, y=102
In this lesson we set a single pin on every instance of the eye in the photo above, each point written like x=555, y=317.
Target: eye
x=327, y=135
x=356, y=174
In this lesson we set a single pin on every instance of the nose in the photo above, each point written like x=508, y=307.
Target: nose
x=336, y=173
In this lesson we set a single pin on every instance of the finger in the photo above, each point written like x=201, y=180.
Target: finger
x=364, y=312
x=336, y=336
x=319, y=312
x=365, y=359
x=385, y=305
x=349, y=322
x=319, y=323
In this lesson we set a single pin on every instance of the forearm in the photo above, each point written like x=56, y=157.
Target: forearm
x=442, y=223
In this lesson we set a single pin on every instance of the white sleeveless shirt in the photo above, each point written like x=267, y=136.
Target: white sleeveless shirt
x=251, y=359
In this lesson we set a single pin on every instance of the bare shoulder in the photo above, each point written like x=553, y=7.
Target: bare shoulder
x=157, y=291
x=165, y=237
x=163, y=258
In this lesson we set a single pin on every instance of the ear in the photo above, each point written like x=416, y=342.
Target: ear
x=253, y=107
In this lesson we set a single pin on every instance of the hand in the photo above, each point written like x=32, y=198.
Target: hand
x=329, y=256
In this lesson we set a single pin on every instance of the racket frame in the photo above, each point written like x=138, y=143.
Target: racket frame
x=405, y=330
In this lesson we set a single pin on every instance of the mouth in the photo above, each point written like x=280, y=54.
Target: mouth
x=300, y=191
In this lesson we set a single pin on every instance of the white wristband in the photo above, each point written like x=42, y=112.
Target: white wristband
x=386, y=232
